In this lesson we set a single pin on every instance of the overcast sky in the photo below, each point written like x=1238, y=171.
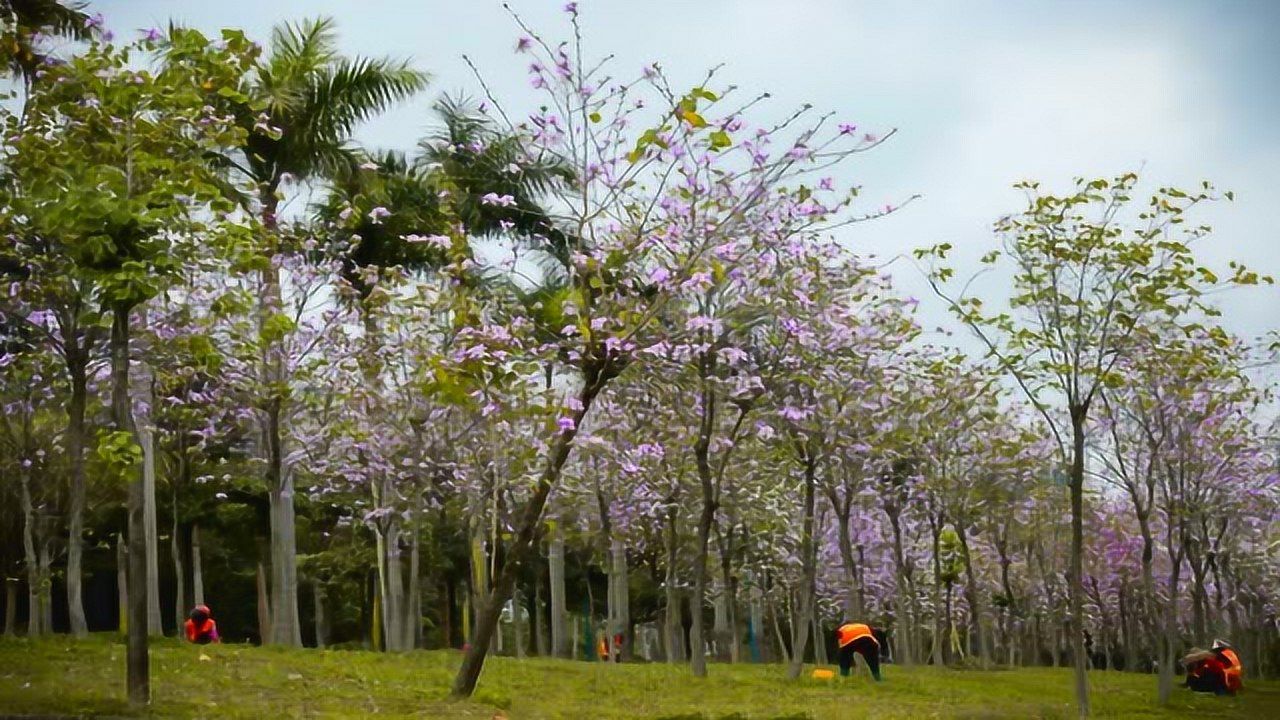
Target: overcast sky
x=982, y=94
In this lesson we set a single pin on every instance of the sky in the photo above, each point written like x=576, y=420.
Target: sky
x=981, y=95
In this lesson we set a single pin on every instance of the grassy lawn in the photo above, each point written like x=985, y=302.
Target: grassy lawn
x=62, y=677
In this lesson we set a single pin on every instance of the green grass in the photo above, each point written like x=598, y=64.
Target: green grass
x=62, y=677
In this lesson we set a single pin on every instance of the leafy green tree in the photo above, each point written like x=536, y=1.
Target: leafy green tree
x=107, y=181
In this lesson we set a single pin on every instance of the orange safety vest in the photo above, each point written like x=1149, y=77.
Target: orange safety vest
x=852, y=631
x=1233, y=672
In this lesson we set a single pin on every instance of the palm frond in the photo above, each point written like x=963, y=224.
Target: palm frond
x=348, y=92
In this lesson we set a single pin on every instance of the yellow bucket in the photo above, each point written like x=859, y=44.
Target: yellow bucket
x=823, y=674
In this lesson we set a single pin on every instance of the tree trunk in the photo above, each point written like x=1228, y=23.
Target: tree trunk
x=940, y=648
x=973, y=597
x=393, y=610
x=137, y=662
x=10, y=606
x=517, y=621
x=46, y=575
x=147, y=440
x=819, y=642
x=76, y=362
x=413, y=607
x=527, y=534
x=122, y=585
x=622, y=598
x=757, y=621
x=555, y=563
x=784, y=652
x=852, y=598
x=720, y=621
x=285, y=627
x=1170, y=635
x=672, y=619
x=1077, y=560
x=539, y=620
x=697, y=635
x=808, y=561
x=264, y=607
x=322, y=619
x=906, y=594
x=29, y=559
x=197, y=568
x=179, y=575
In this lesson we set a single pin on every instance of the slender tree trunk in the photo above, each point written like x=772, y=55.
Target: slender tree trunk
x=197, y=568
x=517, y=621
x=973, y=597
x=697, y=634
x=940, y=649
x=76, y=361
x=122, y=586
x=46, y=575
x=413, y=614
x=720, y=621
x=852, y=598
x=622, y=598
x=394, y=607
x=30, y=561
x=264, y=607
x=906, y=594
x=322, y=618
x=1170, y=644
x=1076, y=599
x=285, y=627
x=808, y=561
x=672, y=619
x=784, y=652
x=528, y=531
x=10, y=606
x=147, y=440
x=819, y=642
x=555, y=569
x=757, y=622
x=539, y=618
x=138, y=675
x=179, y=575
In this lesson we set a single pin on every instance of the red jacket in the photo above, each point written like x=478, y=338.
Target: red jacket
x=206, y=633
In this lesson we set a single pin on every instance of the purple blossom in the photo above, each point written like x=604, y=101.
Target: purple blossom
x=498, y=200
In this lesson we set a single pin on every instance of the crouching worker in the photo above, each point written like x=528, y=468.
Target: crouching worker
x=1216, y=670
x=861, y=639
x=201, y=629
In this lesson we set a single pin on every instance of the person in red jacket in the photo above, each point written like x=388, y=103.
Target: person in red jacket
x=861, y=639
x=201, y=629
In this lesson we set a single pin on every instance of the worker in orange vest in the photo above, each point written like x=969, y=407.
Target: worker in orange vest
x=1217, y=670
x=1233, y=669
x=200, y=627
x=861, y=639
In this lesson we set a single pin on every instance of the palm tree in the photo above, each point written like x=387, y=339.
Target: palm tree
x=23, y=21
x=307, y=99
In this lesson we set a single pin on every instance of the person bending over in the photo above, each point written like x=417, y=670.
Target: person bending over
x=201, y=629
x=860, y=639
